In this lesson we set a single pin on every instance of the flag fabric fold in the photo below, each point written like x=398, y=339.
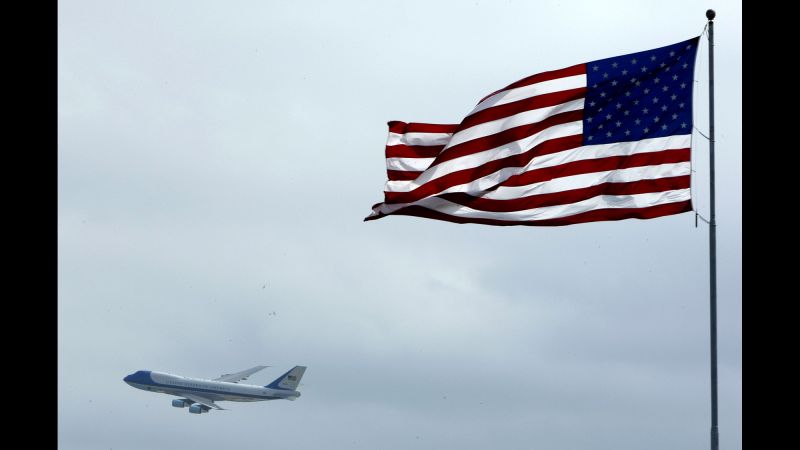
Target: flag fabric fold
x=605, y=140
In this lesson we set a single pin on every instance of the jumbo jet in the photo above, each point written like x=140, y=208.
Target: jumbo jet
x=200, y=394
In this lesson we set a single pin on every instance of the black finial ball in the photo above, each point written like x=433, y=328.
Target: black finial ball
x=711, y=14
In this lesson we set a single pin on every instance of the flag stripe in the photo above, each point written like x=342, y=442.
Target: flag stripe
x=650, y=212
x=480, y=177
x=413, y=151
x=532, y=90
x=519, y=106
x=578, y=69
x=536, y=118
x=443, y=206
x=399, y=127
x=568, y=196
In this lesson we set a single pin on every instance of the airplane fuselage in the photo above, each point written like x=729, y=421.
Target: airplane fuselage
x=214, y=390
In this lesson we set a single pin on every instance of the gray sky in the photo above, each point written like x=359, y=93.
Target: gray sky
x=216, y=160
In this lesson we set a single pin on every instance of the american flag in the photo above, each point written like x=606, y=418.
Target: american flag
x=605, y=140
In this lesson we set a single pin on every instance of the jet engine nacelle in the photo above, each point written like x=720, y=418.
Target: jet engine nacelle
x=197, y=409
x=179, y=403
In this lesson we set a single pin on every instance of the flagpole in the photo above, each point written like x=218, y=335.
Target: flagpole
x=712, y=234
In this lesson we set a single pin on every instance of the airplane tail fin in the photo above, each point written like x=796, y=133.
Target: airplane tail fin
x=289, y=380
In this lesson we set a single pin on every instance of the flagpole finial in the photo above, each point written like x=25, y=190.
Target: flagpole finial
x=710, y=14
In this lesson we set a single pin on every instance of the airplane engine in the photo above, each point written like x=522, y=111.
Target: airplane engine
x=197, y=409
x=179, y=403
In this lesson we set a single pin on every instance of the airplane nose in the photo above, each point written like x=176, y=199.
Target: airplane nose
x=128, y=378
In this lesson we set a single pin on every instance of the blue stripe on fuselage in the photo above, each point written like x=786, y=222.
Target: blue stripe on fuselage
x=143, y=378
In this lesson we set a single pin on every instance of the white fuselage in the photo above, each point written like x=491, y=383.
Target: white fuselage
x=214, y=390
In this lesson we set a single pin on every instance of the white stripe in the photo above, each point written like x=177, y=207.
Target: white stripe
x=409, y=164
x=523, y=118
x=585, y=180
x=558, y=211
x=613, y=149
x=477, y=159
x=418, y=138
x=478, y=186
x=532, y=90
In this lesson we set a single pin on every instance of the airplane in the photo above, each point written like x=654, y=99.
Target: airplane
x=200, y=395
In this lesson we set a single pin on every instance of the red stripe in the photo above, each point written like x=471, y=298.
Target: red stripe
x=506, y=136
x=396, y=126
x=402, y=175
x=465, y=176
x=571, y=196
x=577, y=69
x=650, y=212
x=413, y=151
x=526, y=104
x=598, y=165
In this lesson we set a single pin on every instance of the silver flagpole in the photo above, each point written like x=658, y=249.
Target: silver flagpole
x=712, y=234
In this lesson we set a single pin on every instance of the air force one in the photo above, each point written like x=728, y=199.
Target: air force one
x=200, y=395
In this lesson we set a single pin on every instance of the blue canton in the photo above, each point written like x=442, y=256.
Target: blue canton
x=641, y=95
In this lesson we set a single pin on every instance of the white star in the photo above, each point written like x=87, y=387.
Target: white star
x=666, y=69
x=595, y=68
x=633, y=61
x=605, y=75
x=636, y=102
x=637, y=121
x=664, y=108
x=674, y=96
x=625, y=71
x=595, y=86
x=645, y=111
x=614, y=65
x=662, y=65
x=608, y=116
x=591, y=103
x=589, y=120
x=638, y=83
x=656, y=80
x=614, y=83
x=608, y=134
x=646, y=130
x=655, y=99
x=628, y=94
x=653, y=58
x=619, y=124
x=633, y=80
x=626, y=112
x=600, y=127
x=589, y=138
x=619, y=105
x=644, y=68
x=656, y=119
x=685, y=65
x=646, y=90
x=665, y=88
x=627, y=132
x=683, y=125
x=688, y=46
x=671, y=53
x=674, y=77
x=602, y=94
x=683, y=85
x=674, y=116
x=663, y=127
x=681, y=105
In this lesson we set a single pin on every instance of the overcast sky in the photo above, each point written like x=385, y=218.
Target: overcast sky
x=216, y=160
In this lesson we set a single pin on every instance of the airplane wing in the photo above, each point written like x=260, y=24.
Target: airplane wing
x=202, y=400
x=239, y=376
